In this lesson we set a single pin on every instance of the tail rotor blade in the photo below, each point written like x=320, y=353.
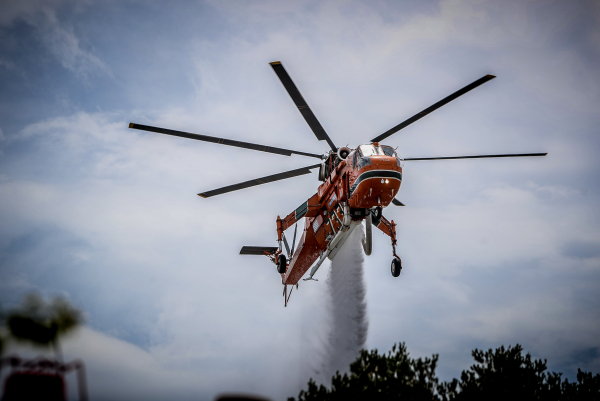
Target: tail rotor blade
x=258, y=250
x=397, y=202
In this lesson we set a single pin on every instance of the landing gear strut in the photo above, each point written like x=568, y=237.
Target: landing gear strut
x=389, y=228
x=376, y=215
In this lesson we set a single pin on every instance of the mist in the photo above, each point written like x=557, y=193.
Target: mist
x=342, y=325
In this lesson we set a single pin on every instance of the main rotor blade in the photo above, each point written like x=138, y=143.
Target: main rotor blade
x=436, y=106
x=222, y=141
x=259, y=181
x=476, y=157
x=306, y=112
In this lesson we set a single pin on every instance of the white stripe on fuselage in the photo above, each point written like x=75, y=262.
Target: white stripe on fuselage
x=375, y=177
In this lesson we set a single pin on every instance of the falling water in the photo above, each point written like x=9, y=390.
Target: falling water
x=343, y=329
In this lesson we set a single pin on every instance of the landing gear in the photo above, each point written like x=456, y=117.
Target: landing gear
x=376, y=214
x=281, y=264
x=389, y=228
x=396, y=267
x=367, y=242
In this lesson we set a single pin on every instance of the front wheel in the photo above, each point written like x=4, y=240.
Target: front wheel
x=281, y=264
x=396, y=267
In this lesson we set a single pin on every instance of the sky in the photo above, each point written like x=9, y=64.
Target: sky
x=495, y=252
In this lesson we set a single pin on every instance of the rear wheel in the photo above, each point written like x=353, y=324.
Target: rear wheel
x=396, y=267
x=281, y=264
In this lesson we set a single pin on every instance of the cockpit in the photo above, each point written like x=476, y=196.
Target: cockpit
x=362, y=155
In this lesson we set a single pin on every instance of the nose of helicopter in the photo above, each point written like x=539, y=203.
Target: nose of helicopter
x=377, y=183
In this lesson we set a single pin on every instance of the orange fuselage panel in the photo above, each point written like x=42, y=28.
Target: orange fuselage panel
x=375, y=184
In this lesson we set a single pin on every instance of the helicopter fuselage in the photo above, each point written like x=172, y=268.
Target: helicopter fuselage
x=367, y=178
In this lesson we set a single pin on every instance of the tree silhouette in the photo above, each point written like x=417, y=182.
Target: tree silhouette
x=507, y=374
x=377, y=376
x=43, y=323
x=500, y=374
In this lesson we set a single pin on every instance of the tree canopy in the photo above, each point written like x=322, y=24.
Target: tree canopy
x=499, y=374
x=40, y=322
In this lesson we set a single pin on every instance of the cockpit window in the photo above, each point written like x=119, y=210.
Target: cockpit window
x=365, y=161
x=368, y=150
x=372, y=150
x=389, y=151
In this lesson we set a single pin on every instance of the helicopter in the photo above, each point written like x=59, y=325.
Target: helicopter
x=357, y=184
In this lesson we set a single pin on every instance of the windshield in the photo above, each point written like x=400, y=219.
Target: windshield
x=371, y=150
x=389, y=151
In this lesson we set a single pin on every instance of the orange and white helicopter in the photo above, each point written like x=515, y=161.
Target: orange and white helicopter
x=357, y=184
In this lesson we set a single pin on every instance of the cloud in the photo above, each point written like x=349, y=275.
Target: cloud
x=582, y=250
x=9, y=65
x=59, y=38
x=66, y=47
x=14, y=9
x=81, y=216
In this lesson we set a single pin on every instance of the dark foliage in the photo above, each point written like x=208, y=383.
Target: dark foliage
x=42, y=323
x=380, y=377
x=496, y=375
x=507, y=374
